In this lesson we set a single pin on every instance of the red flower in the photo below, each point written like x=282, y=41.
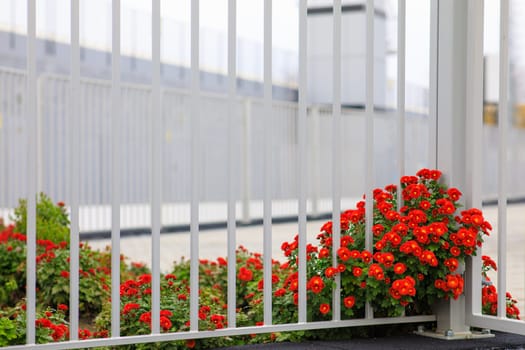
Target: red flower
x=279, y=292
x=144, y=279
x=454, y=194
x=378, y=229
x=170, y=276
x=245, y=274
x=343, y=253
x=145, y=317
x=62, y=307
x=166, y=313
x=349, y=301
x=190, y=344
x=43, y=322
x=84, y=334
x=366, y=256
x=324, y=309
x=455, y=251
x=129, y=307
x=165, y=323
x=327, y=227
x=316, y=284
x=330, y=271
x=324, y=253
x=488, y=262
x=452, y=264
x=400, y=268
x=357, y=271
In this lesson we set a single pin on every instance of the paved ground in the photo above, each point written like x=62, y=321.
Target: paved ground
x=402, y=342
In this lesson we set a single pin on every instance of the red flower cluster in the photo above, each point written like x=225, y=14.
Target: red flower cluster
x=417, y=246
x=453, y=283
x=58, y=331
x=489, y=294
x=403, y=287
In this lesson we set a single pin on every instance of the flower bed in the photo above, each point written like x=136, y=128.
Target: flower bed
x=416, y=258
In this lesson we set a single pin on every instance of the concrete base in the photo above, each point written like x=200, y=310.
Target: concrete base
x=449, y=335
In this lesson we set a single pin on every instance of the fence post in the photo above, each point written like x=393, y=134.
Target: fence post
x=450, y=151
x=316, y=169
x=246, y=161
x=40, y=134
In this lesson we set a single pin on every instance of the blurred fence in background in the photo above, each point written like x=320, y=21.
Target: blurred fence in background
x=95, y=146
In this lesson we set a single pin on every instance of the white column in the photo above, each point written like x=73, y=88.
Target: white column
x=472, y=190
x=450, y=111
x=74, y=172
x=156, y=166
x=115, y=169
x=301, y=162
x=31, y=166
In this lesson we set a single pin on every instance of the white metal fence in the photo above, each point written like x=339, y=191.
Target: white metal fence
x=111, y=139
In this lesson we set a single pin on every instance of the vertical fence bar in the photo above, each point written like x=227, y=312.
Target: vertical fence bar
x=195, y=169
x=302, y=166
x=315, y=142
x=503, y=118
x=369, y=113
x=401, y=51
x=474, y=141
x=433, y=84
x=336, y=153
x=246, y=142
x=268, y=147
x=115, y=169
x=74, y=172
x=31, y=119
x=232, y=178
x=156, y=169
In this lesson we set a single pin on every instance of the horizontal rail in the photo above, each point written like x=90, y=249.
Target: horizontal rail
x=141, y=339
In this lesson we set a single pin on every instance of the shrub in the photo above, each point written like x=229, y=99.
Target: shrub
x=52, y=221
x=418, y=247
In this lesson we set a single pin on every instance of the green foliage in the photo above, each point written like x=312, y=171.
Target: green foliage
x=7, y=331
x=53, y=278
x=12, y=266
x=50, y=325
x=52, y=221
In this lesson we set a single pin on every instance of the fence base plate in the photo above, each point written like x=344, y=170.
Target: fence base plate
x=449, y=335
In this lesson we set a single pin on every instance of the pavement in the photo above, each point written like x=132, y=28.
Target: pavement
x=399, y=342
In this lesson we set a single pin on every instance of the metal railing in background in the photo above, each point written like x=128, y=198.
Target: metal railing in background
x=247, y=126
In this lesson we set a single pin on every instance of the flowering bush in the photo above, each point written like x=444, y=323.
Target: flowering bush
x=175, y=300
x=52, y=271
x=418, y=247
